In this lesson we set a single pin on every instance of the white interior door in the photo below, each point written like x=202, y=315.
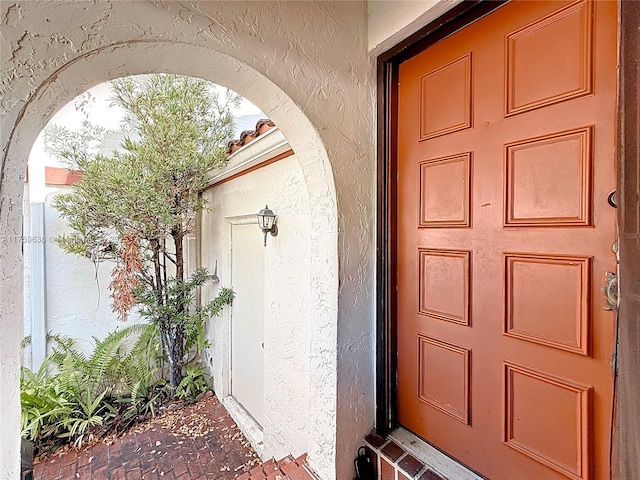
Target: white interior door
x=247, y=321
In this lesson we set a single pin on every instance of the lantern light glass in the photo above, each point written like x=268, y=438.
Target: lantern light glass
x=267, y=222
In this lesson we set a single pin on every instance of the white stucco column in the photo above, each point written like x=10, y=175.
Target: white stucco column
x=36, y=242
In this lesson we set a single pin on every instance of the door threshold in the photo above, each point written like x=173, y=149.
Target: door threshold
x=403, y=452
x=246, y=423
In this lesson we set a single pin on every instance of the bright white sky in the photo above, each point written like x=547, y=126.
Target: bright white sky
x=105, y=115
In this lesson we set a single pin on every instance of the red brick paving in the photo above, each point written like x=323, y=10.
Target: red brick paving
x=161, y=452
x=288, y=468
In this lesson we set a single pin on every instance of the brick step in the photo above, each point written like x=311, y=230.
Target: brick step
x=288, y=468
x=393, y=461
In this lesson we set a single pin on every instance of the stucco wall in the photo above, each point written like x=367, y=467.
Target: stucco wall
x=390, y=21
x=78, y=301
x=306, y=65
x=287, y=320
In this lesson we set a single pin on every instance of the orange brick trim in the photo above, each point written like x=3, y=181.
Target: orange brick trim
x=286, y=154
x=60, y=176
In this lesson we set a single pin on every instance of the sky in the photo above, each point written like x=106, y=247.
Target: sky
x=105, y=115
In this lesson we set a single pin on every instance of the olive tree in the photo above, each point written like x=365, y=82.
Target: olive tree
x=137, y=204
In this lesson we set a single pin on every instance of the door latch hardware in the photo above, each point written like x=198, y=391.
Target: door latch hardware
x=611, y=198
x=610, y=291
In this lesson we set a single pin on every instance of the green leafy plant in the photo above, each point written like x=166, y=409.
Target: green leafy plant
x=195, y=382
x=73, y=397
x=44, y=403
x=84, y=417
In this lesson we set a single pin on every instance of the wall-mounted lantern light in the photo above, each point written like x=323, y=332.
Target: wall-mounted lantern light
x=214, y=278
x=267, y=223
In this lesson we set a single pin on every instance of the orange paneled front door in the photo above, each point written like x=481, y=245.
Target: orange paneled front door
x=506, y=156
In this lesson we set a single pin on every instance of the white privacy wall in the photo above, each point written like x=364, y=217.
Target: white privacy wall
x=287, y=317
x=78, y=301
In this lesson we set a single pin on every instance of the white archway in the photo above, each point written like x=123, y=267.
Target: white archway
x=136, y=57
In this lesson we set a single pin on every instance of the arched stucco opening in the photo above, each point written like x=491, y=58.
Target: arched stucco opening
x=132, y=58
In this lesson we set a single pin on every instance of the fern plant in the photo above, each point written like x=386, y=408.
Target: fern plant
x=74, y=397
x=71, y=395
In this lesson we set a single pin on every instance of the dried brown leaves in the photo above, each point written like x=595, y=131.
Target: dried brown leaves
x=125, y=275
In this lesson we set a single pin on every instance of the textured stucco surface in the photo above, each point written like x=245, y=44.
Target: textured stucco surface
x=391, y=21
x=78, y=302
x=287, y=318
x=306, y=65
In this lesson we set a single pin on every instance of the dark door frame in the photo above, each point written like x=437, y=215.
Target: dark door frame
x=627, y=397
x=628, y=358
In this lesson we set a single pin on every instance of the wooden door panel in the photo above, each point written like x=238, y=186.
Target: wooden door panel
x=529, y=424
x=445, y=191
x=446, y=389
x=506, y=154
x=549, y=59
x=444, y=285
x=531, y=294
x=445, y=99
x=560, y=163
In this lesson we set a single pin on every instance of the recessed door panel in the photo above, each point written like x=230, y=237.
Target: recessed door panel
x=560, y=163
x=247, y=319
x=443, y=377
x=445, y=99
x=549, y=60
x=445, y=191
x=534, y=310
x=547, y=419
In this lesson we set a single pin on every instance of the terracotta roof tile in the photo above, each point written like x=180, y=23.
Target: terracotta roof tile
x=248, y=136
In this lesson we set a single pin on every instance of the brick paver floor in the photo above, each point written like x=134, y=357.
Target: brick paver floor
x=207, y=445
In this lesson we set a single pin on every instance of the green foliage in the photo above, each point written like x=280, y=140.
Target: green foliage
x=180, y=308
x=194, y=383
x=72, y=396
x=141, y=403
x=75, y=397
x=84, y=417
x=150, y=185
x=44, y=403
x=185, y=317
x=108, y=369
x=68, y=145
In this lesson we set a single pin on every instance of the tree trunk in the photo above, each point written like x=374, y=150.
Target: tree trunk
x=157, y=288
x=174, y=328
x=176, y=354
x=178, y=234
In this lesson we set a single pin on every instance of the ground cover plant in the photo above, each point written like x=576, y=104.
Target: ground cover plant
x=74, y=398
